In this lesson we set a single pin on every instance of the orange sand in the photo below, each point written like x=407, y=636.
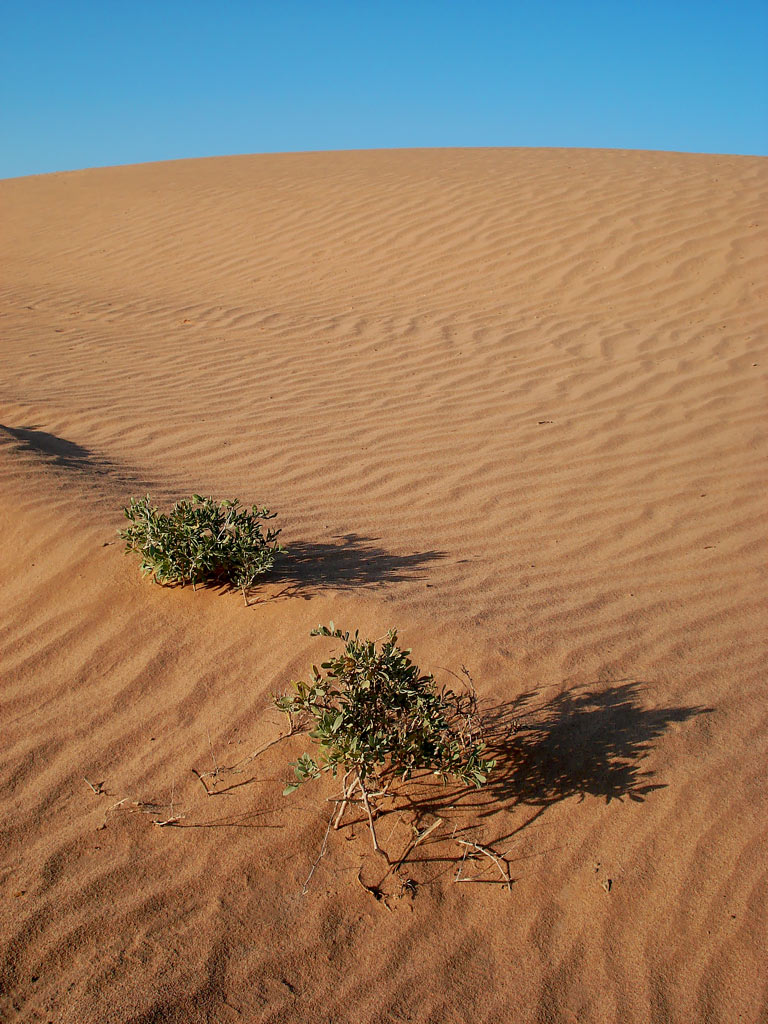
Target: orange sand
x=510, y=401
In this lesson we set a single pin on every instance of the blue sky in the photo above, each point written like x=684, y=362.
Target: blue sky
x=98, y=82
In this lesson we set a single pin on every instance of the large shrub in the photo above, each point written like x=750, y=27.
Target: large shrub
x=377, y=717
x=201, y=540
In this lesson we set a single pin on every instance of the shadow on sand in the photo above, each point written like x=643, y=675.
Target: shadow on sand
x=81, y=463
x=350, y=561
x=58, y=450
x=587, y=741
x=592, y=740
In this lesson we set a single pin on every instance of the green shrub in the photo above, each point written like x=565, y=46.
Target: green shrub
x=376, y=717
x=201, y=540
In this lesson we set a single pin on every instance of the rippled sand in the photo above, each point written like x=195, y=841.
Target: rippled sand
x=510, y=401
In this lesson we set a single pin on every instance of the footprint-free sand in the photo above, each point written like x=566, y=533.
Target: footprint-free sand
x=511, y=402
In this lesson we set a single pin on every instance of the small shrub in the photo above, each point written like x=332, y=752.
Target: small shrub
x=201, y=540
x=376, y=717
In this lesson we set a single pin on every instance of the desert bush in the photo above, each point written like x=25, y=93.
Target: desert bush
x=377, y=717
x=201, y=540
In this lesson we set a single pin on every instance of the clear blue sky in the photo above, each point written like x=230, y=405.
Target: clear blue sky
x=97, y=82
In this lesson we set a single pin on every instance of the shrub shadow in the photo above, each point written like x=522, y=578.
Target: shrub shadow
x=61, y=454
x=351, y=561
x=589, y=741
x=60, y=451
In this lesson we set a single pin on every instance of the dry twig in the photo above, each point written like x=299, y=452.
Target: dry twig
x=320, y=855
x=238, y=767
x=373, y=890
x=109, y=810
x=368, y=812
x=172, y=819
x=420, y=837
x=500, y=864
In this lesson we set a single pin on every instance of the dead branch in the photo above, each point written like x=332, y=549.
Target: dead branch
x=420, y=837
x=501, y=865
x=109, y=810
x=203, y=783
x=373, y=890
x=346, y=797
x=368, y=812
x=323, y=848
x=174, y=820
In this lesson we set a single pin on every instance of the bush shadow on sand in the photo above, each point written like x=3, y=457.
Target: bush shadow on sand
x=72, y=460
x=592, y=740
x=60, y=452
x=347, y=562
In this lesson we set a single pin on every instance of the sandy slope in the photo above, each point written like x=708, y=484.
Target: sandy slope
x=511, y=401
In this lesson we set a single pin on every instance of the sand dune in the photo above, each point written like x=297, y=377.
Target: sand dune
x=510, y=401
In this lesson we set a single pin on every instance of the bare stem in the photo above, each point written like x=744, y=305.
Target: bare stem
x=202, y=781
x=239, y=766
x=346, y=794
x=501, y=865
x=319, y=857
x=420, y=837
x=368, y=812
x=213, y=756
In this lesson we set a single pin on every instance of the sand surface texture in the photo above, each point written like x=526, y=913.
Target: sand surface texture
x=509, y=401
